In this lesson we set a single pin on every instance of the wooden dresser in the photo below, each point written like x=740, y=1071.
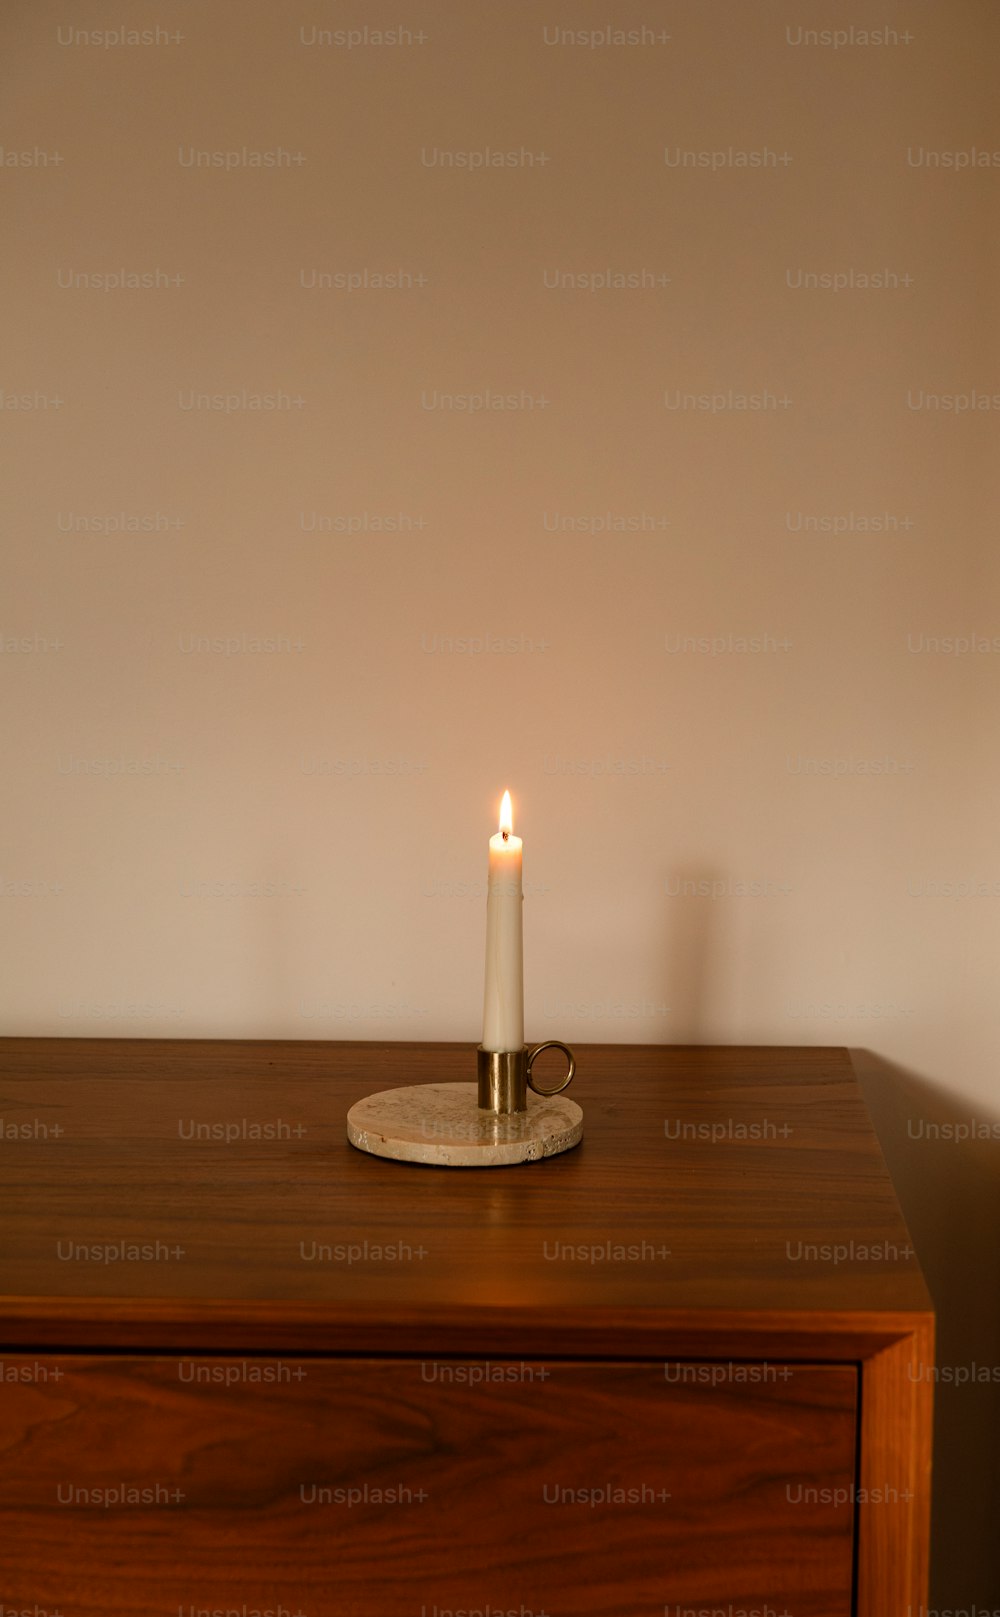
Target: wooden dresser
x=248, y=1369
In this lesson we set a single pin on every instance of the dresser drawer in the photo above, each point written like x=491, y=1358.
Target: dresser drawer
x=383, y=1487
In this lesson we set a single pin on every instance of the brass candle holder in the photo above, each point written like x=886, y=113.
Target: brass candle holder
x=503, y=1118
x=505, y=1077
x=494, y=1121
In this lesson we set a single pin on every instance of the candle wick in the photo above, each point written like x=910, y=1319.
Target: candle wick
x=506, y=834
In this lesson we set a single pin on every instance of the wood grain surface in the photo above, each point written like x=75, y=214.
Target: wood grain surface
x=350, y=1490
x=788, y=1211
x=200, y=1197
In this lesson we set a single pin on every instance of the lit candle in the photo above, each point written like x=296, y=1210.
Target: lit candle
x=503, y=1002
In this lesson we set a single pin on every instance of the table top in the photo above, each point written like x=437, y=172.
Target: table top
x=203, y=1193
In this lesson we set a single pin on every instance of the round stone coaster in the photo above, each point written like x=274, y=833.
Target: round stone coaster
x=441, y=1124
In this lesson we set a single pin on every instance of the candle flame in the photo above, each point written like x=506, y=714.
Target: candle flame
x=506, y=816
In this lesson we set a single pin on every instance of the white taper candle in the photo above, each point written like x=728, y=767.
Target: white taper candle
x=503, y=1001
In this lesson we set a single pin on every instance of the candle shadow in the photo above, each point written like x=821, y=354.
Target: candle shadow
x=690, y=939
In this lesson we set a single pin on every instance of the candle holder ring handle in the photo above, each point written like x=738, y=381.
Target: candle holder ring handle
x=552, y=1044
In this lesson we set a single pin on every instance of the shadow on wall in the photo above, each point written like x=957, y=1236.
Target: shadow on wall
x=688, y=948
x=948, y=1184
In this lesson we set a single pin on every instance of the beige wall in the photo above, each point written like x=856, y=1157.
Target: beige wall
x=844, y=771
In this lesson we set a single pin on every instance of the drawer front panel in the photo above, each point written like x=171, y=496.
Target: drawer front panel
x=405, y=1488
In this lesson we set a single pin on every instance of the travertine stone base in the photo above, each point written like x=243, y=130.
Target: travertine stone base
x=441, y=1124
